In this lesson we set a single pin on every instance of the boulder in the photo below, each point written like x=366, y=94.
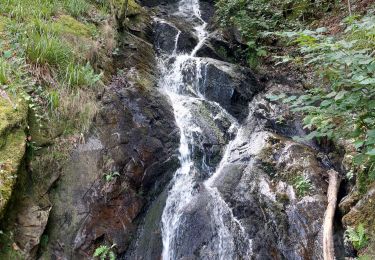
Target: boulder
x=229, y=85
x=183, y=40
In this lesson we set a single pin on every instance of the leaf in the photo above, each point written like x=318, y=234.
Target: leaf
x=332, y=94
x=289, y=99
x=341, y=94
x=358, y=144
x=276, y=97
x=7, y=54
x=371, y=152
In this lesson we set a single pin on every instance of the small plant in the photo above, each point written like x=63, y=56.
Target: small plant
x=357, y=236
x=78, y=75
x=76, y=7
x=110, y=176
x=48, y=49
x=105, y=252
x=302, y=185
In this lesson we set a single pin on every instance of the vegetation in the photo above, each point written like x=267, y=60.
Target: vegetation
x=42, y=60
x=344, y=108
x=105, y=252
x=49, y=79
x=302, y=185
x=255, y=18
x=110, y=176
x=357, y=236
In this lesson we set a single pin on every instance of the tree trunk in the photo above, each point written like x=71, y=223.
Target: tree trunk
x=333, y=188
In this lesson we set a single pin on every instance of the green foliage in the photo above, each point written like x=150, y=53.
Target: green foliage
x=345, y=108
x=105, y=252
x=47, y=49
x=302, y=185
x=42, y=59
x=4, y=72
x=357, y=236
x=256, y=18
x=110, y=176
x=78, y=75
x=76, y=7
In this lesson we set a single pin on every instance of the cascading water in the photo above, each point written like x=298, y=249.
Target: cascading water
x=180, y=80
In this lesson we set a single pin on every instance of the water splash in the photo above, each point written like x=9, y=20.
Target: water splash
x=181, y=78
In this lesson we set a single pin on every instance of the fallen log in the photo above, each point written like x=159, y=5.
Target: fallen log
x=333, y=188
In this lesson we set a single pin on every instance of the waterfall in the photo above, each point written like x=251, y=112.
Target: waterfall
x=184, y=94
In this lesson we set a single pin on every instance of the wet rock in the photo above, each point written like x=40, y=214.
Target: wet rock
x=230, y=85
x=148, y=242
x=163, y=33
x=258, y=182
x=153, y=3
x=207, y=8
x=217, y=47
x=166, y=34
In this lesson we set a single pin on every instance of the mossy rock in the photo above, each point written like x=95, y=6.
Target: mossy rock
x=66, y=24
x=12, y=115
x=133, y=7
x=364, y=213
x=12, y=147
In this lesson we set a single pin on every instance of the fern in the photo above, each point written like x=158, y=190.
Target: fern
x=105, y=252
x=357, y=236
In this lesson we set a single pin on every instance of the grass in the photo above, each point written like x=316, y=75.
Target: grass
x=47, y=49
x=51, y=48
x=76, y=8
x=4, y=72
x=78, y=75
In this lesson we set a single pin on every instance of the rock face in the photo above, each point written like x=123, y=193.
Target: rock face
x=229, y=85
x=170, y=37
x=92, y=190
x=268, y=190
x=125, y=162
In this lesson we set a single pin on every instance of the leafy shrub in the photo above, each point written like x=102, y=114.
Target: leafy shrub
x=357, y=236
x=345, y=108
x=253, y=18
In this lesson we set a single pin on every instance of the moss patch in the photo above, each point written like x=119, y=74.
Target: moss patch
x=12, y=146
x=11, y=155
x=67, y=24
x=133, y=7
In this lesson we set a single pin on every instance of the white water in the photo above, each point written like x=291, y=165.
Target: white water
x=183, y=95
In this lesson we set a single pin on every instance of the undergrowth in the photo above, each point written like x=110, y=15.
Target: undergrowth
x=42, y=59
